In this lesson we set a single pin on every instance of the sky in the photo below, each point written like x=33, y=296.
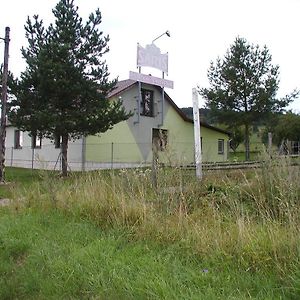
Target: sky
x=201, y=31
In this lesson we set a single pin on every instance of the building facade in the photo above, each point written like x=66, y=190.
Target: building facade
x=157, y=128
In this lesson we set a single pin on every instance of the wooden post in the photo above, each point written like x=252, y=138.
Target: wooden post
x=3, y=108
x=154, y=164
x=270, y=143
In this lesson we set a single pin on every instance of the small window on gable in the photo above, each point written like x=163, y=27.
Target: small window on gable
x=220, y=146
x=147, y=105
x=18, y=139
x=57, y=141
x=36, y=141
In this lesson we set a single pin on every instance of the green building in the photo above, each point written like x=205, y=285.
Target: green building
x=157, y=127
x=157, y=123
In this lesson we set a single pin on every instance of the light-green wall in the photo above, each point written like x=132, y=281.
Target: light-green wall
x=131, y=141
x=117, y=144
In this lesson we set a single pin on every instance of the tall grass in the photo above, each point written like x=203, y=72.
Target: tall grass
x=249, y=218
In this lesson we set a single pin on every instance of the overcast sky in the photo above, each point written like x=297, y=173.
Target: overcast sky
x=201, y=30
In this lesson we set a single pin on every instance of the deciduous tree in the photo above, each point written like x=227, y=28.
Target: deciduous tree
x=287, y=128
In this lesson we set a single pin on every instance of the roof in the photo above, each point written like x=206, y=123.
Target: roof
x=121, y=87
x=124, y=85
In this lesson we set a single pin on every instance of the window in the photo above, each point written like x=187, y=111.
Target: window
x=18, y=139
x=220, y=146
x=36, y=141
x=201, y=144
x=147, y=103
x=160, y=138
x=57, y=141
x=295, y=147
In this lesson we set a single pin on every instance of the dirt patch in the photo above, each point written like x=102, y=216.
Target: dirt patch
x=4, y=202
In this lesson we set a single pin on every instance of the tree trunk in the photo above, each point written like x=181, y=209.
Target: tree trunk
x=64, y=153
x=247, y=143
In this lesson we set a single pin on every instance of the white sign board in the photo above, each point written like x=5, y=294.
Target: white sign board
x=150, y=56
x=151, y=80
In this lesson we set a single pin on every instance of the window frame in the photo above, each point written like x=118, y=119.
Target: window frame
x=222, y=143
x=18, y=139
x=36, y=141
x=201, y=143
x=143, y=112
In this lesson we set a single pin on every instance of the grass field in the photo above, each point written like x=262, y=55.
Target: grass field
x=108, y=235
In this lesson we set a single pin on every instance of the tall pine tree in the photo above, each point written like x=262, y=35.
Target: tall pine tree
x=243, y=87
x=63, y=91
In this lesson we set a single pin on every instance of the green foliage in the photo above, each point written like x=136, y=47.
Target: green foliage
x=243, y=87
x=236, y=137
x=11, y=83
x=287, y=128
x=63, y=91
x=205, y=115
x=17, y=178
x=48, y=255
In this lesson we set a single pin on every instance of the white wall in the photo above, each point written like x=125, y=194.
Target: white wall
x=48, y=157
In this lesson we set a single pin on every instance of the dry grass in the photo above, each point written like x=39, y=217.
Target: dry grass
x=250, y=218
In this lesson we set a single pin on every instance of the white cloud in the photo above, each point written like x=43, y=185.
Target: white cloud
x=200, y=30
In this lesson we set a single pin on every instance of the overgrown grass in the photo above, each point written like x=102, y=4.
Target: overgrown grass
x=18, y=177
x=241, y=226
x=51, y=256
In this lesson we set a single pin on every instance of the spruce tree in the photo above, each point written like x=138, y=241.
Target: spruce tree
x=63, y=91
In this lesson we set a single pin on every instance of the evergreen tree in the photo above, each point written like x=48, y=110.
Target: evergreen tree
x=63, y=91
x=243, y=87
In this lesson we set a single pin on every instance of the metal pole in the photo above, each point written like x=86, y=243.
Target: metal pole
x=12, y=156
x=163, y=102
x=139, y=101
x=167, y=33
x=32, y=157
x=112, y=156
x=3, y=108
x=197, y=134
x=83, y=154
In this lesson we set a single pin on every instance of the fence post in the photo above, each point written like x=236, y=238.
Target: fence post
x=12, y=156
x=32, y=158
x=112, y=155
x=270, y=143
x=83, y=154
x=154, y=165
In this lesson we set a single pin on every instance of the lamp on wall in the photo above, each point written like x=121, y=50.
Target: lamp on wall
x=165, y=33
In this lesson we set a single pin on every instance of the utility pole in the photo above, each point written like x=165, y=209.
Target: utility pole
x=3, y=105
x=197, y=134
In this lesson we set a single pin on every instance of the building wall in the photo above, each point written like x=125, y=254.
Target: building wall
x=131, y=141
x=47, y=157
x=127, y=144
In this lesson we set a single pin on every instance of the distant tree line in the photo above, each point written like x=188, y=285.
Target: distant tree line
x=283, y=126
